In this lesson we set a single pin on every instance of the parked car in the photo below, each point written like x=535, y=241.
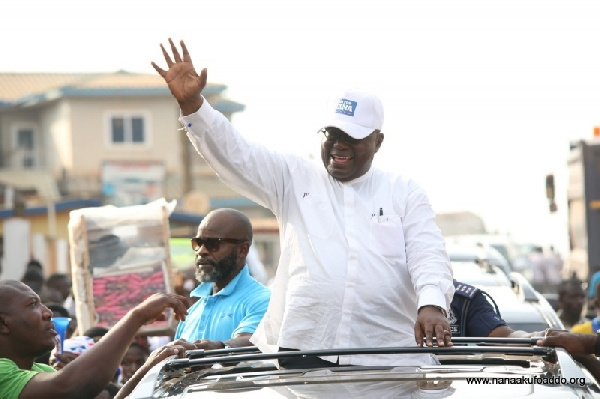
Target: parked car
x=479, y=253
x=502, y=243
x=474, y=367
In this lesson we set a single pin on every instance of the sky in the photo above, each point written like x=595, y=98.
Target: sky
x=481, y=98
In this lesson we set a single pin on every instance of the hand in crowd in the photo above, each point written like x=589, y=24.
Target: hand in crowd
x=152, y=309
x=205, y=344
x=431, y=323
x=164, y=352
x=574, y=343
x=183, y=344
x=61, y=360
x=184, y=82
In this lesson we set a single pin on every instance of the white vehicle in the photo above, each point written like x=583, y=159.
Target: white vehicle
x=522, y=307
x=500, y=242
x=479, y=254
x=473, y=367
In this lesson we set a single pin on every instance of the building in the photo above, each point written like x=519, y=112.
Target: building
x=111, y=137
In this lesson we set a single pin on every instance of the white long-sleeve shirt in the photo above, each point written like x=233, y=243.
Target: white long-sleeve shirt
x=358, y=258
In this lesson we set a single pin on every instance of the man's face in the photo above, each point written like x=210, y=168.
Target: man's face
x=346, y=158
x=216, y=263
x=134, y=358
x=64, y=287
x=210, y=270
x=573, y=300
x=28, y=322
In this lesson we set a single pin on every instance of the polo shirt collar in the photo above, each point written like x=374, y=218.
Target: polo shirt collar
x=205, y=289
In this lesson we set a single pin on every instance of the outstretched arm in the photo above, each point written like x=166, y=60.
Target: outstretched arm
x=184, y=82
x=581, y=346
x=89, y=374
x=574, y=343
x=155, y=357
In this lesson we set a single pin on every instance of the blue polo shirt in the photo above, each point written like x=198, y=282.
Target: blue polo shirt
x=237, y=308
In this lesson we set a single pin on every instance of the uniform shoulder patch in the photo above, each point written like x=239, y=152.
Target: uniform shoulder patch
x=464, y=290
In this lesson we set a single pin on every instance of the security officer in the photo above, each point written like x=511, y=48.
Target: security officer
x=474, y=313
x=471, y=313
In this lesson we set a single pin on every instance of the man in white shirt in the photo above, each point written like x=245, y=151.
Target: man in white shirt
x=363, y=263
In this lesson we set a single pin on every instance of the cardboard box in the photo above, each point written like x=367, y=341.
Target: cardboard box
x=119, y=257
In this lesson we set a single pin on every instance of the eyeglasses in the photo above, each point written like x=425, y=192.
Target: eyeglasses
x=336, y=134
x=212, y=244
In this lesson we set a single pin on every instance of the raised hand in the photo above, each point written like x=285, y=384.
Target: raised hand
x=153, y=307
x=184, y=82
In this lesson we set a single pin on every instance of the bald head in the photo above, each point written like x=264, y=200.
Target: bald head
x=8, y=289
x=229, y=223
x=226, y=235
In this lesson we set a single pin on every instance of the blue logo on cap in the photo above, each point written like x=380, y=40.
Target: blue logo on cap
x=346, y=107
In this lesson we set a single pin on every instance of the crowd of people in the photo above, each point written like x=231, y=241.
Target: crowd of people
x=363, y=264
x=546, y=268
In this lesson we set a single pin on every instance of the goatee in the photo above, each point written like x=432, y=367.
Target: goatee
x=218, y=270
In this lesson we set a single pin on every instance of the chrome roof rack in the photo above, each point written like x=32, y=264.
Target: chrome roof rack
x=462, y=346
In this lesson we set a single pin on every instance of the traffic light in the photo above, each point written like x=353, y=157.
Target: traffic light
x=550, y=192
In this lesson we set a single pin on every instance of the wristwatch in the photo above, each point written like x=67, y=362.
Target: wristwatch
x=441, y=309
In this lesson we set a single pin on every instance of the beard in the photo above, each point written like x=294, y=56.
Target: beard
x=218, y=270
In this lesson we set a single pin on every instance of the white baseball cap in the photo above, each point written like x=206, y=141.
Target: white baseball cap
x=358, y=113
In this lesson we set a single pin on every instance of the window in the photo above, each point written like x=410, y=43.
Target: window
x=128, y=129
x=24, y=154
x=25, y=143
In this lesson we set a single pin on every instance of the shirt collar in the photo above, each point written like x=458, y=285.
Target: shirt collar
x=359, y=179
x=205, y=289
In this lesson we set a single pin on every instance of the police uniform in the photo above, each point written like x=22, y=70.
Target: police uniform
x=471, y=313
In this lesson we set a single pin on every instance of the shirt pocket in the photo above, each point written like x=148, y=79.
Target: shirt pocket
x=387, y=236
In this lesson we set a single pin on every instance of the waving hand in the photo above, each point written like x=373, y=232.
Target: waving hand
x=184, y=82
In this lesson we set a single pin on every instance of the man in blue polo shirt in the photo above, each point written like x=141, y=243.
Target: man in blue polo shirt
x=230, y=302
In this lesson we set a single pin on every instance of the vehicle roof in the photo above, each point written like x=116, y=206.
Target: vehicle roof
x=481, y=275
x=500, y=242
x=466, y=251
x=469, y=251
x=255, y=375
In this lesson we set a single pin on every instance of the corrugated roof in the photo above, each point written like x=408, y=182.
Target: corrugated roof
x=17, y=85
x=122, y=79
x=24, y=88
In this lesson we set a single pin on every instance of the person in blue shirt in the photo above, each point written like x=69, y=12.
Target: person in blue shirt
x=473, y=313
x=230, y=303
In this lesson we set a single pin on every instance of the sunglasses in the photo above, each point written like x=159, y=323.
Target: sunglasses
x=212, y=244
x=336, y=134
